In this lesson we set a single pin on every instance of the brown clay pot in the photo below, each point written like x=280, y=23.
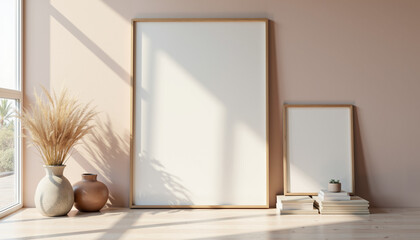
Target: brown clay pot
x=90, y=195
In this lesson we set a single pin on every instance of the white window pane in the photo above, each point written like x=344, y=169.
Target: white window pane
x=9, y=44
x=9, y=153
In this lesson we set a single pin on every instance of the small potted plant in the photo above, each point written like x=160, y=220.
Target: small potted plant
x=334, y=186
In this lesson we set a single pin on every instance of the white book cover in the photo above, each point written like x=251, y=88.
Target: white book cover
x=327, y=193
x=300, y=199
x=354, y=200
x=294, y=206
x=334, y=198
x=343, y=210
x=349, y=207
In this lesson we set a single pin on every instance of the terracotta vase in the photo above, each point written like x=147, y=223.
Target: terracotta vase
x=54, y=194
x=90, y=195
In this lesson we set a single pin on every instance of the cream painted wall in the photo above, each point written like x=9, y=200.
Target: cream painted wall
x=362, y=52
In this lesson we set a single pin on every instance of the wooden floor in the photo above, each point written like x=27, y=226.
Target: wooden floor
x=210, y=224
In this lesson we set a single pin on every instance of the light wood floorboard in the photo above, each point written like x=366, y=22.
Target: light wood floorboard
x=210, y=224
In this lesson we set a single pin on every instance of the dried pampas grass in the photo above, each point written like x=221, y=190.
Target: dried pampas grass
x=56, y=125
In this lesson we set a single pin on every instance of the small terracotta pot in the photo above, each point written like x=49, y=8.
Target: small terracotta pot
x=334, y=187
x=90, y=195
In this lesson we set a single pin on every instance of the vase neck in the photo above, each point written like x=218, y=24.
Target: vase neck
x=54, y=170
x=89, y=176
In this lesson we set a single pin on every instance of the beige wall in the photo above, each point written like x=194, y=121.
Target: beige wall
x=361, y=52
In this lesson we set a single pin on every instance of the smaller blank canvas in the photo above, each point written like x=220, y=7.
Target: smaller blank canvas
x=318, y=148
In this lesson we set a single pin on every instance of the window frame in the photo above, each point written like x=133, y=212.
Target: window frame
x=18, y=96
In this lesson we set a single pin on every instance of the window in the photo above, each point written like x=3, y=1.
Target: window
x=10, y=102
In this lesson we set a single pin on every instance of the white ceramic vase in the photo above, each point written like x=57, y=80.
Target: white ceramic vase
x=54, y=194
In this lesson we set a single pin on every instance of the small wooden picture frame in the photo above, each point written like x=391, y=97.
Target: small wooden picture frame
x=317, y=146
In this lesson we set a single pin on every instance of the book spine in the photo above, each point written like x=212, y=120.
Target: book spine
x=333, y=194
x=334, y=198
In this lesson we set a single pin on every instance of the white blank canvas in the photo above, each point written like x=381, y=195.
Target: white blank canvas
x=200, y=114
x=319, y=148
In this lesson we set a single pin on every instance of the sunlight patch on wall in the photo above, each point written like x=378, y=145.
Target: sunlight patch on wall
x=97, y=26
x=243, y=135
x=164, y=127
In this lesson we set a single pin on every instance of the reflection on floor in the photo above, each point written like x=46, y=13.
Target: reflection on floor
x=210, y=224
x=7, y=190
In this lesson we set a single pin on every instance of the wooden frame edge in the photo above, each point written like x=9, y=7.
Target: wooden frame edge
x=267, y=114
x=199, y=20
x=285, y=175
x=132, y=108
x=199, y=207
x=353, y=190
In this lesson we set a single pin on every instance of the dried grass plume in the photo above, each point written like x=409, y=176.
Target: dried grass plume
x=56, y=124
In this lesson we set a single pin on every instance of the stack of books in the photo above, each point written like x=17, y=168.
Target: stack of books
x=340, y=204
x=325, y=195
x=296, y=205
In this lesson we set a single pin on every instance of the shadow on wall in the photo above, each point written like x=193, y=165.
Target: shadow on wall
x=275, y=119
x=106, y=154
x=360, y=170
x=161, y=187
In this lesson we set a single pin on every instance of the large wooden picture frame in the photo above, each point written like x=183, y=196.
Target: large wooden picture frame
x=199, y=125
x=317, y=146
